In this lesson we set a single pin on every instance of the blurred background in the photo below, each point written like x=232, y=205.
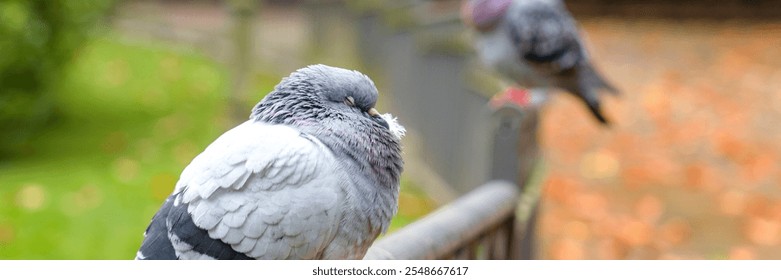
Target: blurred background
x=104, y=102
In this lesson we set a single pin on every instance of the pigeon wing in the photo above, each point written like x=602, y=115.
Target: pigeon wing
x=264, y=191
x=545, y=36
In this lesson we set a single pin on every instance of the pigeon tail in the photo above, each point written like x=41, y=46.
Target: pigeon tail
x=597, y=112
x=592, y=102
x=592, y=78
x=587, y=83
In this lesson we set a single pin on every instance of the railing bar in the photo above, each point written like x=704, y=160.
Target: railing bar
x=446, y=230
x=488, y=244
x=511, y=232
x=472, y=250
x=500, y=251
x=510, y=228
x=526, y=218
x=461, y=254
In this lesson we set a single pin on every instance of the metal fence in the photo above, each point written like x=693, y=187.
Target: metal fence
x=420, y=53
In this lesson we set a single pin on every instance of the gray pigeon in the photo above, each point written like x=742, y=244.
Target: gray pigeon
x=535, y=43
x=313, y=174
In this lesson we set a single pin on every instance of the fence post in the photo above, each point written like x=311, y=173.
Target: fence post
x=507, y=131
x=514, y=154
x=242, y=15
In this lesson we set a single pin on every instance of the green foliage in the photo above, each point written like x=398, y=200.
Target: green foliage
x=131, y=116
x=37, y=38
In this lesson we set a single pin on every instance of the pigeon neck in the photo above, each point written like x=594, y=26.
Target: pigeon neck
x=373, y=163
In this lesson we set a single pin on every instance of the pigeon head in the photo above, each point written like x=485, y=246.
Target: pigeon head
x=337, y=106
x=483, y=15
x=316, y=92
x=342, y=86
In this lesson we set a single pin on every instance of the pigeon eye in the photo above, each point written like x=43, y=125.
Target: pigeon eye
x=350, y=101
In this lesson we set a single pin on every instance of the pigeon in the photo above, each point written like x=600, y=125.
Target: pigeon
x=313, y=174
x=535, y=43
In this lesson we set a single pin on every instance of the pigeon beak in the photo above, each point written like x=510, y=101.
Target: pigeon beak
x=378, y=118
x=373, y=112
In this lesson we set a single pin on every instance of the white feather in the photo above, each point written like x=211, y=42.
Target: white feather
x=393, y=124
x=289, y=187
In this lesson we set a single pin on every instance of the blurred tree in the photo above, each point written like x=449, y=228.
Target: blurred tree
x=37, y=38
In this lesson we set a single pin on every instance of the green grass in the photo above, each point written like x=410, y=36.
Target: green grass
x=131, y=117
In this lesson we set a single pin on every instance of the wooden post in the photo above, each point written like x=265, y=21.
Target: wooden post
x=318, y=27
x=242, y=15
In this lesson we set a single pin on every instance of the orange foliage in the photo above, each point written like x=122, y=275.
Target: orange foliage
x=560, y=189
x=567, y=249
x=690, y=169
x=762, y=231
x=675, y=232
x=732, y=203
x=649, y=208
x=742, y=253
x=634, y=232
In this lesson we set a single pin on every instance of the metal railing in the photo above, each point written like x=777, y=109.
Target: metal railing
x=495, y=220
x=479, y=225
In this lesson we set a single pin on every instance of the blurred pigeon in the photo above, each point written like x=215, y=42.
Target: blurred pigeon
x=313, y=174
x=536, y=44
